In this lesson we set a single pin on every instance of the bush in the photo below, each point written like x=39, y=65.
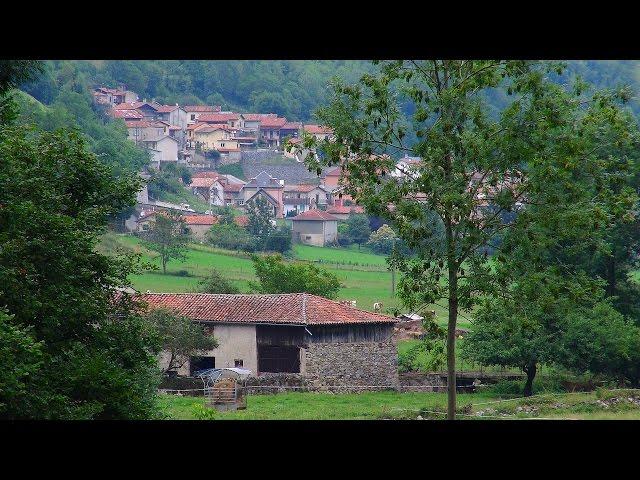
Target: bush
x=182, y=273
x=216, y=283
x=278, y=240
x=232, y=237
x=428, y=355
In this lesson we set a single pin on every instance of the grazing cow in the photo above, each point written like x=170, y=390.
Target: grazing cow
x=377, y=306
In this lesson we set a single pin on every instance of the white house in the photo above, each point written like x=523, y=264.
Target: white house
x=163, y=149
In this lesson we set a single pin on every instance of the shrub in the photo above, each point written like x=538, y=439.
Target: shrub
x=216, y=283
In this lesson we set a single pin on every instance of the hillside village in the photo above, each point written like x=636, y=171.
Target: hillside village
x=181, y=261
x=188, y=135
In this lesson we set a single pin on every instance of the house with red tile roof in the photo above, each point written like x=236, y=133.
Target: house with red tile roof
x=113, y=96
x=229, y=119
x=141, y=130
x=270, y=130
x=329, y=343
x=314, y=227
x=319, y=131
x=173, y=115
x=148, y=109
x=194, y=111
x=343, y=212
x=126, y=114
x=198, y=225
x=300, y=198
x=271, y=188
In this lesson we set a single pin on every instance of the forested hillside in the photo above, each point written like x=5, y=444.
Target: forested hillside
x=289, y=88
x=294, y=89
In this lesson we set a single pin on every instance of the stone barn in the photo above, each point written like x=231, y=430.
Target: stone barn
x=328, y=343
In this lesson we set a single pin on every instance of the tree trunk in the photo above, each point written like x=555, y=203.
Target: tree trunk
x=164, y=265
x=451, y=344
x=530, y=370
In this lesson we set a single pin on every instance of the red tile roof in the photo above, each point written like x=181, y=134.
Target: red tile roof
x=317, y=129
x=256, y=117
x=167, y=108
x=201, y=108
x=233, y=187
x=202, y=182
x=129, y=105
x=200, y=219
x=205, y=175
x=145, y=124
x=273, y=122
x=126, y=114
x=284, y=308
x=315, y=215
x=292, y=126
x=218, y=117
x=336, y=172
x=344, y=210
x=196, y=126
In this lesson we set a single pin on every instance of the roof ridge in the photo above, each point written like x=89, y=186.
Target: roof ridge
x=304, y=307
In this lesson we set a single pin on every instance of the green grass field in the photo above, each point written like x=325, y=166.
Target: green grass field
x=601, y=404
x=366, y=286
x=313, y=406
x=348, y=256
x=366, y=280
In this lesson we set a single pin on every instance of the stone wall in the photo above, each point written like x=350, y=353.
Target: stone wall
x=269, y=383
x=360, y=364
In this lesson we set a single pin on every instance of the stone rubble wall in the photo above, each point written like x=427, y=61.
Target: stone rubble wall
x=363, y=365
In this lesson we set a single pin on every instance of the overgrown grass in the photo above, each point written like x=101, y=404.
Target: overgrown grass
x=345, y=256
x=313, y=406
x=234, y=169
x=601, y=404
x=366, y=287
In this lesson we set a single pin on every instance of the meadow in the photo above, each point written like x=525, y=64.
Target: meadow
x=595, y=405
x=366, y=279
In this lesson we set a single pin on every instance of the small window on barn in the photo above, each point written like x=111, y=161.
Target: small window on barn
x=238, y=363
x=193, y=116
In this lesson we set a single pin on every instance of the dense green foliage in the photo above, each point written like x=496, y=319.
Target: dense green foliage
x=86, y=355
x=355, y=230
x=167, y=235
x=216, y=283
x=479, y=168
x=179, y=336
x=289, y=88
x=231, y=236
x=276, y=276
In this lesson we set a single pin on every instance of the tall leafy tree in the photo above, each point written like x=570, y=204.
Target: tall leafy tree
x=478, y=167
x=93, y=359
x=179, y=336
x=167, y=237
x=358, y=229
x=260, y=218
x=276, y=276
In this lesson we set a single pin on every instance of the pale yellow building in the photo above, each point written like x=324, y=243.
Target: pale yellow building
x=215, y=137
